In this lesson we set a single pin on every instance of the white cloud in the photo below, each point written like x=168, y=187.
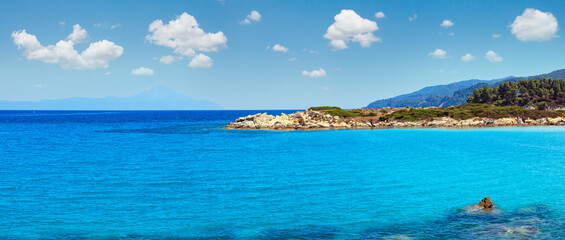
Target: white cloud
x=38, y=85
x=78, y=34
x=107, y=73
x=413, y=18
x=253, y=16
x=534, y=25
x=454, y=71
x=142, y=71
x=62, y=23
x=495, y=35
x=451, y=34
x=185, y=36
x=492, y=56
x=446, y=23
x=292, y=59
x=97, y=55
x=438, y=53
x=168, y=59
x=467, y=57
x=380, y=14
x=315, y=73
x=349, y=26
x=105, y=24
x=310, y=51
x=279, y=48
x=201, y=61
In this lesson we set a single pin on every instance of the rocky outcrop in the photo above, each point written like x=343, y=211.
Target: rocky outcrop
x=485, y=204
x=300, y=120
x=311, y=119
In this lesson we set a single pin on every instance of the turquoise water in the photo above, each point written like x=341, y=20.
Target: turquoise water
x=177, y=175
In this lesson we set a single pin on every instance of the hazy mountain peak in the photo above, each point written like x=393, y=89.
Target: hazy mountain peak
x=158, y=97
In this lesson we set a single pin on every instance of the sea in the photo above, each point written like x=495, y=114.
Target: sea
x=180, y=175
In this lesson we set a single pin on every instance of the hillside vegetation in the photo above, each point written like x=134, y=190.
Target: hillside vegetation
x=540, y=94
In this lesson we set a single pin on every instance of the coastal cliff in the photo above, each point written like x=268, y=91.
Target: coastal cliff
x=312, y=120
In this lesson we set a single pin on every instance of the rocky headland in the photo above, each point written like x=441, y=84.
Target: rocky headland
x=317, y=120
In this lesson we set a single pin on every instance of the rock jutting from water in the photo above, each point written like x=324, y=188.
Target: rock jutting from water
x=486, y=204
x=312, y=120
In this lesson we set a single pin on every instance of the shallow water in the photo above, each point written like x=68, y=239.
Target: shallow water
x=177, y=175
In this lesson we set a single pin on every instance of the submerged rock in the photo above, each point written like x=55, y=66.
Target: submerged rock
x=535, y=222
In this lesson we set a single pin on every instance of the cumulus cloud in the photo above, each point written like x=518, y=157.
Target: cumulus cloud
x=280, y=48
x=315, y=73
x=467, y=57
x=446, y=23
x=413, y=18
x=492, y=56
x=97, y=55
x=380, y=14
x=185, y=36
x=253, y=16
x=349, y=26
x=78, y=34
x=495, y=35
x=534, y=25
x=438, y=53
x=168, y=59
x=142, y=71
x=201, y=61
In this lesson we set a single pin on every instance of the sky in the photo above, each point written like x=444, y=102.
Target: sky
x=270, y=54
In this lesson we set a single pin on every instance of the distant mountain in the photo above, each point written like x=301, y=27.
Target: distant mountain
x=451, y=94
x=157, y=98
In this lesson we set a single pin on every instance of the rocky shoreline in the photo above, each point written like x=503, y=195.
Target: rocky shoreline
x=318, y=120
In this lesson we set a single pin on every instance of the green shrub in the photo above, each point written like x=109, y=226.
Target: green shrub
x=470, y=110
x=337, y=111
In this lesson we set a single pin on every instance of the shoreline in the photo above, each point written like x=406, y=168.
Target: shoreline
x=318, y=120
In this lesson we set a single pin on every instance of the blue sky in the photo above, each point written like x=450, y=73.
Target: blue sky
x=415, y=44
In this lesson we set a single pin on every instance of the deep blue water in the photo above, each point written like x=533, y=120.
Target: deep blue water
x=178, y=175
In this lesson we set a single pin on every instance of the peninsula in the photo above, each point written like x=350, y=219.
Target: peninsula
x=523, y=103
